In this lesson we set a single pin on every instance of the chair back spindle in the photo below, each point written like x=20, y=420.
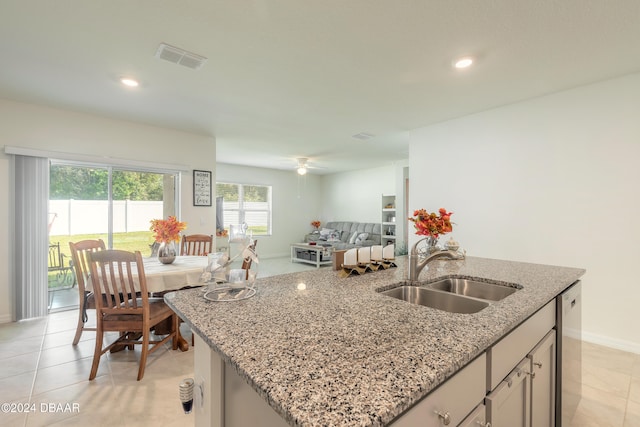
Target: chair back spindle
x=124, y=306
x=196, y=244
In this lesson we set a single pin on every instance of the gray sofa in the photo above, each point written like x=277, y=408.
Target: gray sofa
x=342, y=234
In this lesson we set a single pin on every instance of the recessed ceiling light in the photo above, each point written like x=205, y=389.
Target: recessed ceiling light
x=129, y=82
x=465, y=62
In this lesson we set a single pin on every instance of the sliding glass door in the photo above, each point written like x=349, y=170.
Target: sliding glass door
x=102, y=202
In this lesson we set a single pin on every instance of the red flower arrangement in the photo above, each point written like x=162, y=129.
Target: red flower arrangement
x=315, y=224
x=167, y=230
x=432, y=224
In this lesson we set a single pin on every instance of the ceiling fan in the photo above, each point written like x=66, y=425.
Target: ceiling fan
x=303, y=166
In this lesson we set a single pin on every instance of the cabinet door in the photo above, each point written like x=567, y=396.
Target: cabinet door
x=509, y=405
x=477, y=418
x=450, y=403
x=543, y=384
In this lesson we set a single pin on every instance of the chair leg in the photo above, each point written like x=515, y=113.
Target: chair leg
x=81, y=321
x=97, y=353
x=176, y=331
x=145, y=352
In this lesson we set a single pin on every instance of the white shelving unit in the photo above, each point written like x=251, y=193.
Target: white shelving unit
x=388, y=207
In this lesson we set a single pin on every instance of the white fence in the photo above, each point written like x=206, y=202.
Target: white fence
x=69, y=217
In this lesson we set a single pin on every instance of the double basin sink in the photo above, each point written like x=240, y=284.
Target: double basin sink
x=455, y=295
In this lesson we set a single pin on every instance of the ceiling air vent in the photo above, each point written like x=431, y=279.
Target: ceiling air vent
x=180, y=56
x=363, y=136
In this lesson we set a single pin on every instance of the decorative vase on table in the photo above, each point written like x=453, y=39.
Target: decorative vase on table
x=167, y=232
x=431, y=244
x=167, y=252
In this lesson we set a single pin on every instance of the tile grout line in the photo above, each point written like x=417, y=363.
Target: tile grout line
x=35, y=374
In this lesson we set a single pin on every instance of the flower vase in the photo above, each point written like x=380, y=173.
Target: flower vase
x=167, y=252
x=432, y=245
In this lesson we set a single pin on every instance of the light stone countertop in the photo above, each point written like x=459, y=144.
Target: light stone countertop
x=336, y=352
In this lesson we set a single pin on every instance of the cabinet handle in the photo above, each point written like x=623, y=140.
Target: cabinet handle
x=538, y=364
x=445, y=418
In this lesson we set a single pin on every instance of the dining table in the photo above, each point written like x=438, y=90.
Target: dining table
x=183, y=272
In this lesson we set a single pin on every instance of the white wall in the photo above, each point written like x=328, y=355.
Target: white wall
x=356, y=195
x=552, y=180
x=296, y=202
x=42, y=128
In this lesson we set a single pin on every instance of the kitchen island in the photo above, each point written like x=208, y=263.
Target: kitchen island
x=322, y=350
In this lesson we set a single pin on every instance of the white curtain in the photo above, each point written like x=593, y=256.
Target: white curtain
x=31, y=237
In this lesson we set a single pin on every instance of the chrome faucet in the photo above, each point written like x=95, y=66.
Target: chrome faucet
x=415, y=266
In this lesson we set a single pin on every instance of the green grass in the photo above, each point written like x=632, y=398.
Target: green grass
x=258, y=230
x=134, y=241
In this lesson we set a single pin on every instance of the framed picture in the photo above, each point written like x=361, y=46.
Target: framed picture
x=201, y=188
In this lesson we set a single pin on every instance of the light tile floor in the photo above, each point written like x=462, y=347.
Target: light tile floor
x=41, y=369
x=610, y=388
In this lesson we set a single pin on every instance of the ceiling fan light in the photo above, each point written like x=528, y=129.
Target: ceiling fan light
x=464, y=62
x=129, y=82
x=302, y=170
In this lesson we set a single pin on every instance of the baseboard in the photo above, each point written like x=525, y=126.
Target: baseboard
x=6, y=318
x=631, y=347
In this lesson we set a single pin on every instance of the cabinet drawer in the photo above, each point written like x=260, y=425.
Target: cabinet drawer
x=456, y=397
x=504, y=355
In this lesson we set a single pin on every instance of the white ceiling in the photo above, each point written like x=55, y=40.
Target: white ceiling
x=298, y=78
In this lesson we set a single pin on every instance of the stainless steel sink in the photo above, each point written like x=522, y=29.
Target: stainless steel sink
x=472, y=288
x=436, y=299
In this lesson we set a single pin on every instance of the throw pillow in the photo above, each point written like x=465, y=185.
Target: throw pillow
x=352, y=239
x=326, y=231
x=334, y=237
x=361, y=238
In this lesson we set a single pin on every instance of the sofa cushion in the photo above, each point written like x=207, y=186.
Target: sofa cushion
x=345, y=229
x=325, y=232
x=353, y=237
x=361, y=238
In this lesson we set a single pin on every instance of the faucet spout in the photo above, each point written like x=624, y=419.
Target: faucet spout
x=416, y=265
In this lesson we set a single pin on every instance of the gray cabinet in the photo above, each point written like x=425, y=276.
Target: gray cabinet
x=543, y=382
x=450, y=403
x=526, y=397
x=509, y=405
x=518, y=373
x=477, y=418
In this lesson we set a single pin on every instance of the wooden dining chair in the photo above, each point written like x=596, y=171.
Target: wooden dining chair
x=80, y=263
x=196, y=244
x=117, y=275
x=246, y=263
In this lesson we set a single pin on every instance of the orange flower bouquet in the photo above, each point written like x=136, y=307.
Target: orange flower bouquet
x=167, y=230
x=315, y=224
x=432, y=224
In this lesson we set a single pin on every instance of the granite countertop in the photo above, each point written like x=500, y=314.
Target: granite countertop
x=324, y=350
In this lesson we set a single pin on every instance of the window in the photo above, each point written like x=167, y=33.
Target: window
x=246, y=203
x=115, y=204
